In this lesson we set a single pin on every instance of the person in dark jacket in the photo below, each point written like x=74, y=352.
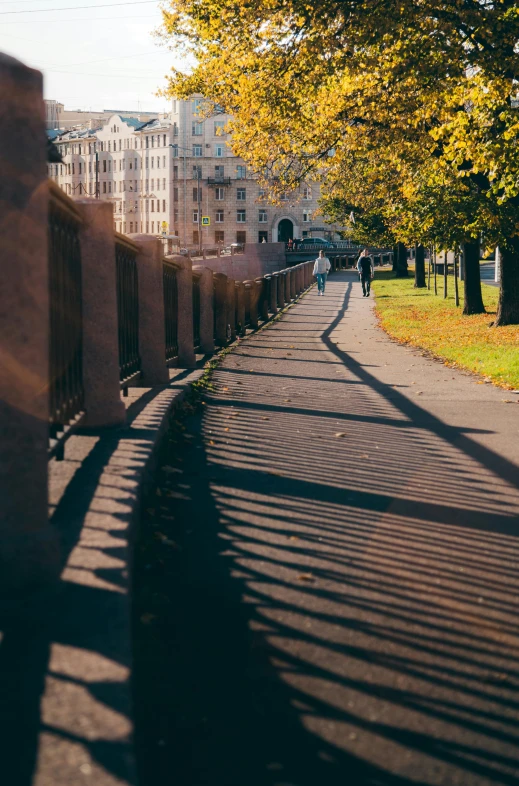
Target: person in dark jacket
x=366, y=271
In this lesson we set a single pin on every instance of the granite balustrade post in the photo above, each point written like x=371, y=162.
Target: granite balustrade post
x=185, y=332
x=254, y=295
x=281, y=289
x=152, y=336
x=263, y=285
x=29, y=544
x=231, y=308
x=101, y=380
x=220, y=308
x=206, y=309
x=288, y=276
x=273, y=304
x=239, y=287
x=292, y=283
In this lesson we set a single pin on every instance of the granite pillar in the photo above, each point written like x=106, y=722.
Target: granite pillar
x=206, y=309
x=220, y=308
x=103, y=405
x=152, y=338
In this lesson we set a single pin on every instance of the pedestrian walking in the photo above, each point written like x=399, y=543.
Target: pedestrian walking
x=290, y=244
x=321, y=267
x=366, y=272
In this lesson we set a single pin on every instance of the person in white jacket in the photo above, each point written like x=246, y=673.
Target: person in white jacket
x=321, y=267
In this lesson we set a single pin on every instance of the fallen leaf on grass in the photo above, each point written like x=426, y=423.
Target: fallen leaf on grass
x=306, y=577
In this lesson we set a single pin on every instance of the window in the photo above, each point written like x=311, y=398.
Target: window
x=284, y=196
x=175, y=215
x=153, y=185
x=175, y=194
x=164, y=144
x=220, y=217
x=219, y=170
x=110, y=187
x=241, y=172
x=195, y=237
x=218, y=151
x=307, y=192
x=219, y=194
x=219, y=236
x=104, y=187
x=153, y=227
x=197, y=151
x=164, y=184
x=241, y=194
x=163, y=205
x=197, y=193
x=241, y=237
x=153, y=162
x=131, y=227
x=263, y=237
x=147, y=227
x=124, y=227
x=135, y=163
x=175, y=129
x=175, y=151
x=197, y=129
x=241, y=216
x=195, y=216
x=219, y=126
x=262, y=217
x=147, y=145
x=153, y=141
x=197, y=103
x=152, y=205
x=175, y=173
x=124, y=163
x=131, y=164
x=147, y=186
x=197, y=172
x=104, y=165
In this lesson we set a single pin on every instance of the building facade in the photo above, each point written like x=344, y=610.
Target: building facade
x=176, y=176
x=66, y=119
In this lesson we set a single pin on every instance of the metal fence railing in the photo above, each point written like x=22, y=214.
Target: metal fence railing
x=169, y=272
x=66, y=392
x=127, y=311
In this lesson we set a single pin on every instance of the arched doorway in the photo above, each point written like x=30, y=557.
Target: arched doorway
x=285, y=230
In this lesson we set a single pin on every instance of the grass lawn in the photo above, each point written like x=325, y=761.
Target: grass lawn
x=418, y=317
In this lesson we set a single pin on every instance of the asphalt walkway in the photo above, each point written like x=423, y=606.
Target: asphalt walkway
x=338, y=575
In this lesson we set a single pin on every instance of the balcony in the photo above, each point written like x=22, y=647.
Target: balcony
x=218, y=181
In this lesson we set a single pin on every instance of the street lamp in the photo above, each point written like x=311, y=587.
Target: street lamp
x=199, y=205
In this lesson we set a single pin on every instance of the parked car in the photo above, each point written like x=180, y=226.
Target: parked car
x=314, y=241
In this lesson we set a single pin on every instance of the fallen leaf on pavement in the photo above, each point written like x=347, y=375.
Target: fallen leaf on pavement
x=341, y=434
x=306, y=577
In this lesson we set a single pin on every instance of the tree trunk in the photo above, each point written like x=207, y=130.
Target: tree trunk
x=508, y=306
x=445, y=274
x=401, y=261
x=472, y=283
x=456, y=289
x=419, y=267
x=429, y=270
x=435, y=272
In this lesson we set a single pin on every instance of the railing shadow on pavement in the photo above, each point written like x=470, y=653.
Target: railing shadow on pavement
x=315, y=627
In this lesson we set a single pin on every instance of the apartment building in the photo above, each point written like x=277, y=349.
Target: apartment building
x=216, y=194
x=176, y=176
x=126, y=162
x=57, y=117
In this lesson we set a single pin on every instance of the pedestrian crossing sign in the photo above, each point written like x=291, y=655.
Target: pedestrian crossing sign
x=206, y=221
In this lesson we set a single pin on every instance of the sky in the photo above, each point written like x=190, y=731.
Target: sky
x=101, y=57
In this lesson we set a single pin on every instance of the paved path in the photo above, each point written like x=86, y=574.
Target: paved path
x=488, y=270
x=342, y=585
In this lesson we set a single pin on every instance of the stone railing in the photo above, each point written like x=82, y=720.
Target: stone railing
x=87, y=314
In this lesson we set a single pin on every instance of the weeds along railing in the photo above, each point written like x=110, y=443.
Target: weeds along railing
x=66, y=391
x=127, y=311
x=169, y=274
x=196, y=311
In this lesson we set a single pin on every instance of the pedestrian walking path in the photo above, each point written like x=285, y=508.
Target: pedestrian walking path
x=343, y=585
